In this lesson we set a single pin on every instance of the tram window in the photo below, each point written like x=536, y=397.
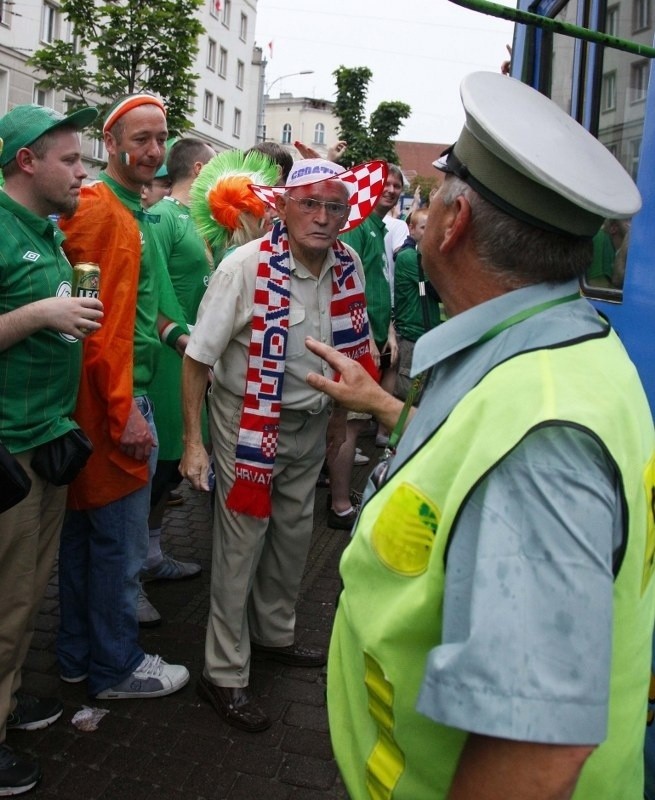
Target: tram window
x=640, y=15
x=608, y=92
x=639, y=71
x=620, y=128
x=607, y=269
x=561, y=64
x=615, y=107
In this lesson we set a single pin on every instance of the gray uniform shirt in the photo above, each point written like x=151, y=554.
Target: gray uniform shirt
x=528, y=596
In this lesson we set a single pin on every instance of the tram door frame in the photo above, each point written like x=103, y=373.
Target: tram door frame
x=632, y=310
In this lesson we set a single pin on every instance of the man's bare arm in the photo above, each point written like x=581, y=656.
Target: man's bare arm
x=195, y=462
x=336, y=430
x=137, y=440
x=501, y=769
x=75, y=316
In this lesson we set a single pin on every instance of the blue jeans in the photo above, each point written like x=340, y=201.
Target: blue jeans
x=102, y=551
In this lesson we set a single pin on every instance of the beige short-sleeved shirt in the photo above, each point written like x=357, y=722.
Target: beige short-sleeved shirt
x=221, y=337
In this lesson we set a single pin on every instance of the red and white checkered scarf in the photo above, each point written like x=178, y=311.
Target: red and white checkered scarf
x=260, y=418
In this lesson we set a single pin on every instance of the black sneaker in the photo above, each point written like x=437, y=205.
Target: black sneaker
x=17, y=775
x=344, y=523
x=33, y=713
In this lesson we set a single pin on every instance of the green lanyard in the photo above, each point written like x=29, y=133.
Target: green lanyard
x=417, y=383
x=525, y=314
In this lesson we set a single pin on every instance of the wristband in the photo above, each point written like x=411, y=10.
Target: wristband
x=170, y=333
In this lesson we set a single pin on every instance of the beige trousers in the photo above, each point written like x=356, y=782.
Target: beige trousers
x=257, y=564
x=29, y=538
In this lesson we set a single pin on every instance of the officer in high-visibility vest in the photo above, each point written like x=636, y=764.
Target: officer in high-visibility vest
x=493, y=638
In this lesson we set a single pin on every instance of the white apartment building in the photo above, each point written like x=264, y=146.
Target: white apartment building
x=231, y=69
x=229, y=91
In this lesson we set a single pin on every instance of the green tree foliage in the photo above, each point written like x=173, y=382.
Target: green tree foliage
x=366, y=141
x=123, y=47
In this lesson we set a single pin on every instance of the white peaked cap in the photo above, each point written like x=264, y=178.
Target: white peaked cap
x=523, y=153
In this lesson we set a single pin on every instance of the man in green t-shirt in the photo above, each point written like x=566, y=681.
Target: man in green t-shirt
x=189, y=265
x=416, y=306
x=41, y=326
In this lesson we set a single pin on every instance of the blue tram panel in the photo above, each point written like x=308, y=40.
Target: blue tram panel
x=612, y=93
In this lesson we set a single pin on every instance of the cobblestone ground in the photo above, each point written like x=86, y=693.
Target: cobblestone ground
x=176, y=746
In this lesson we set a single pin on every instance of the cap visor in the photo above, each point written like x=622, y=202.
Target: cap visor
x=82, y=117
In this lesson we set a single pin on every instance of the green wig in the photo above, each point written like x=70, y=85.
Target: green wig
x=221, y=194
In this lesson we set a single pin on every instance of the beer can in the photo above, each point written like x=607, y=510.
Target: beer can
x=86, y=280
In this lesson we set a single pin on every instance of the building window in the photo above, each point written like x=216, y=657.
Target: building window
x=639, y=72
x=4, y=13
x=227, y=10
x=236, y=130
x=222, y=62
x=70, y=103
x=608, y=92
x=71, y=38
x=286, y=133
x=215, y=8
x=640, y=15
x=41, y=97
x=319, y=133
x=99, y=151
x=634, y=151
x=612, y=24
x=49, y=23
x=243, y=27
x=208, y=107
x=614, y=150
x=240, y=72
x=4, y=91
x=220, y=112
x=211, y=55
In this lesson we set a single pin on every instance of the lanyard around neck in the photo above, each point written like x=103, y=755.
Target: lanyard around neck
x=418, y=381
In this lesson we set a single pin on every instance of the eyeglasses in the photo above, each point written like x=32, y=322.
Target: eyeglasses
x=310, y=204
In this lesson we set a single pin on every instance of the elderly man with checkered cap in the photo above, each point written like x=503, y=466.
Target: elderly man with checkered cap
x=269, y=428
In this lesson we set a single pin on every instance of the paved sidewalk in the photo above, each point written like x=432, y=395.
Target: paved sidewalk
x=176, y=746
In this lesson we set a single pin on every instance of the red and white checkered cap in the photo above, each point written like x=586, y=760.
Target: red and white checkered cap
x=365, y=184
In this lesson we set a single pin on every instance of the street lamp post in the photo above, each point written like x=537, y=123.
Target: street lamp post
x=290, y=75
x=262, y=123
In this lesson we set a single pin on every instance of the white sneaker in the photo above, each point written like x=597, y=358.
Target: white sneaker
x=360, y=459
x=152, y=678
x=146, y=613
x=170, y=569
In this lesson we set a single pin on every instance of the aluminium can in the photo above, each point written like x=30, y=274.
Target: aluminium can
x=86, y=280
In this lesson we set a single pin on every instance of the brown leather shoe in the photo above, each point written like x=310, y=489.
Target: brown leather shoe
x=296, y=655
x=235, y=705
